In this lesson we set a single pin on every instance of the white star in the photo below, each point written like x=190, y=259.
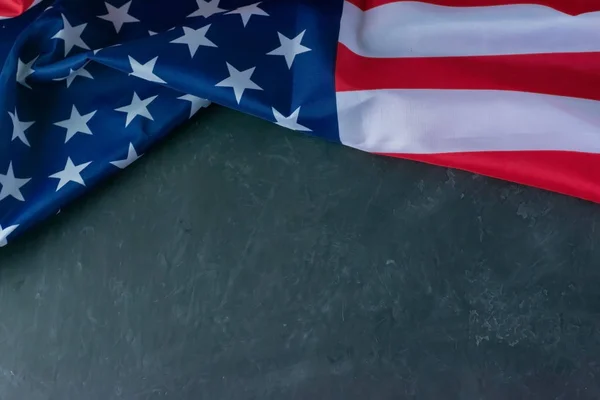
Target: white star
x=207, y=8
x=239, y=81
x=247, y=11
x=5, y=232
x=19, y=128
x=196, y=103
x=289, y=48
x=194, y=38
x=71, y=173
x=152, y=33
x=132, y=156
x=290, y=122
x=71, y=35
x=11, y=186
x=74, y=74
x=145, y=71
x=76, y=123
x=24, y=70
x=137, y=107
x=118, y=16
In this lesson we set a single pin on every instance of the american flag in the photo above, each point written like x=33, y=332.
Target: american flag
x=504, y=88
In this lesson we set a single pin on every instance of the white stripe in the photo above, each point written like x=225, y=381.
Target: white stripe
x=444, y=121
x=414, y=29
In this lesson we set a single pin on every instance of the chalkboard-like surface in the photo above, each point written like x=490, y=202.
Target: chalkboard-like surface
x=239, y=260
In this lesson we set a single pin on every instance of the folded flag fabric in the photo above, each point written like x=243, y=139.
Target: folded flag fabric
x=504, y=88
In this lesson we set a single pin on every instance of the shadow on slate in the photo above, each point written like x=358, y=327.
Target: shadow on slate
x=239, y=260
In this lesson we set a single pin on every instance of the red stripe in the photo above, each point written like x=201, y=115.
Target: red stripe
x=12, y=8
x=569, y=173
x=563, y=74
x=573, y=7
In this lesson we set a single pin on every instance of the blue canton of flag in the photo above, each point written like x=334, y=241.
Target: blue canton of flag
x=88, y=86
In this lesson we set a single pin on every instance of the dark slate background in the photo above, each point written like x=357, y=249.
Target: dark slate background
x=239, y=260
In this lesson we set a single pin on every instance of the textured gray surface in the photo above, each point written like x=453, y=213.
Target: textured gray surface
x=242, y=261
